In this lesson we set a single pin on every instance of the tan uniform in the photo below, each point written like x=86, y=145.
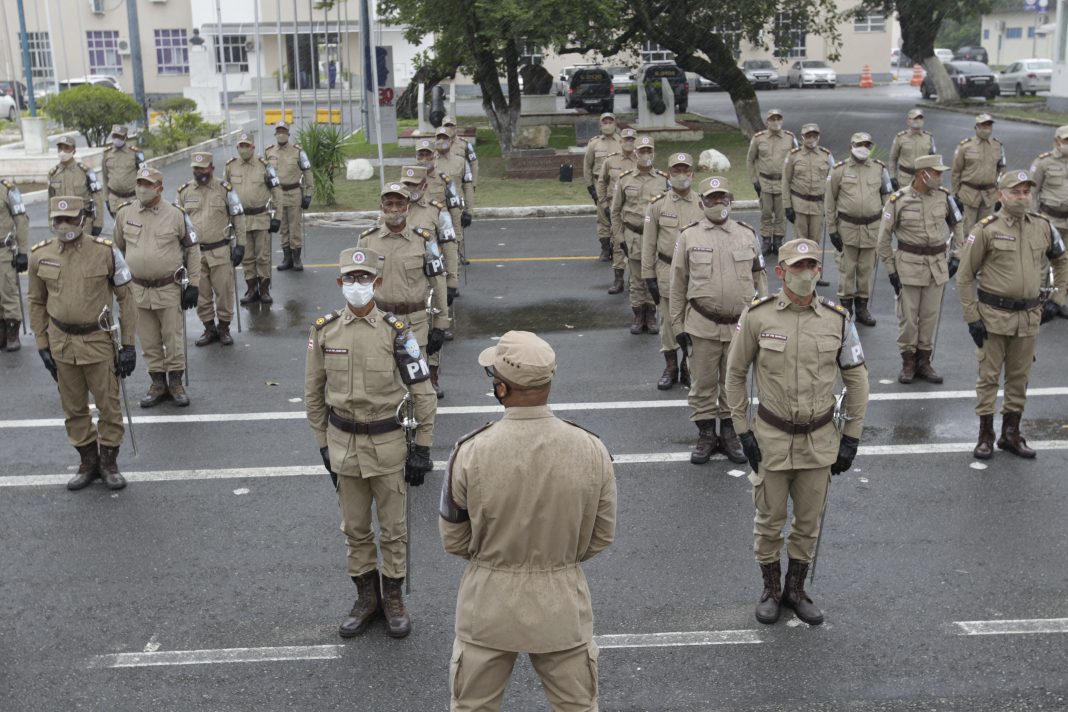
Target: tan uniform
x=597, y=150
x=455, y=168
x=75, y=178
x=976, y=165
x=1050, y=174
x=541, y=497
x=634, y=191
x=615, y=165
x=156, y=244
x=351, y=374
x=666, y=215
x=441, y=187
x=907, y=147
x=431, y=214
x=804, y=182
x=767, y=154
x=70, y=284
x=118, y=172
x=919, y=221
x=14, y=230
x=1003, y=259
x=797, y=353
x=256, y=186
x=715, y=272
x=209, y=207
x=296, y=182
x=853, y=205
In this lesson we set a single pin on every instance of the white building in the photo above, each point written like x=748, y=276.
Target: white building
x=1017, y=34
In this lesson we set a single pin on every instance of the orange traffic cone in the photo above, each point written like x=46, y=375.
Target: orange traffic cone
x=917, y=75
x=865, y=78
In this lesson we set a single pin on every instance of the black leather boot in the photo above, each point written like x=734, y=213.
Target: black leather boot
x=706, y=442
x=252, y=293
x=684, y=372
x=908, y=367
x=649, y=318
x=157, y=392
x=617, y=284
x=298, y=265
x=176, y=389
x=768, y=609
x=265, y=292
x=367, y=607
x=606, y=250
x=1011, y=439
x=729, y=442
x=109, y=468
x=863, y=315
x=671, y=371
x=398, y=623
x=287, y=260
x=794, y=596
x=847, y=304
x=11, y=341
x=88, y=470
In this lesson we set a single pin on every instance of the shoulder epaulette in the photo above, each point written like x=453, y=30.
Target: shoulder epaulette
x=760, y=300
x=964, y=141
x=462, y=440
x=944, y=189
x=103, y=241
x=927, y=132
x=571, y=422
x=840, y=163
x=747, y=226
x=842, y=311
x=658, y=197
x=40, y=244
x=326, y=319
x=902, y=133
x=1047, y=154
x=1039, y=215
x=393, y=321
x=613, y=153
x=180, y=209
x=185, y=185
x=226, y=186
x=896, y=194
x=368, y=231
x=446, y=177
x=785, y=131
x=438, y=204
x=988, y=219
x=825, y=150
x=695, y=222
x=627, y=173
x=123, y=205
x=660, y=173
x=760, y=133
x=262, y=161
x=231, y=160
x=423, y=232
x=7, y=184
x=876, y=160
x=109, y=148
x=297, y=146
x=54, y=169
x=84, y=167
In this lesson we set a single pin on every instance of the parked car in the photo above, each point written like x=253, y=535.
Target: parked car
x=970, y=79
x=946, y=55
x=972, y=54
x=100, y=80
x=811, y=73
x=649, y=75
x=761, y=73
x=14, y=89
x=590, y=88
x=8, y=110
x=563, y=81
x=1026, y=76
x=700, y=83
x=621, y=78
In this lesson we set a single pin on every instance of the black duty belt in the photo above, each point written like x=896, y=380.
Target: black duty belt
x=979, y=186
x=122, y=194
x=255, y=211
x=930, y=250
x=804, y=196
x=375, y=427
x=75, y=329
x=713, y=316
x=859, y=221
x=906, y=169
x=213, y=245
x=153, y=283
x=664, y=258
x=290, y=186
x=771, y=176
x=793, y=428
x=399, y=308
x=1062, y=214
x=1007, y=304
x=633, y=228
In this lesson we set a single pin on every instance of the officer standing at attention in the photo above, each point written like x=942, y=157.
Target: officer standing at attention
x=72, y=278
x=977, y=162
x=765, y=160
x=257, y=185
x=909, y=145
x=465, y=150
x=362, y=363
x=70, y=177
x=525, y=500
x=918, y=216
x=447, y=163
x=159, y=245
x=215, y=209
x=856, y=191
x=667, y=214
x=118, y=169
x=804, y=182
x=294, y=171
x=717, y=269
x=432, y=214
x=798, y=344
x=597, y=150
x=999, y=281
x=14, y=259
x=615, y=165
x=1050, y=174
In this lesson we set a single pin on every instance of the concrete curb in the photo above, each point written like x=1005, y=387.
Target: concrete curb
x=992, y=112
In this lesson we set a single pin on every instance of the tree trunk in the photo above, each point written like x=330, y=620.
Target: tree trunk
x=943, y=85
x=427, y=74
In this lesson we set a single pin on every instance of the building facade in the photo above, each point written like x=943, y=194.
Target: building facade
x=1020, y=34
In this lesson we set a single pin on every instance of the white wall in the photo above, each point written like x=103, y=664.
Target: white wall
x=1003, y=49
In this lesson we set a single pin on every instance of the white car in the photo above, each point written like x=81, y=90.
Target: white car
x=944, y=55
x=1026, y=76
x=8, y=109
x=811, y=73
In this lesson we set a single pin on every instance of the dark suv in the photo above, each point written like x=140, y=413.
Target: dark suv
x=972, y=54
x=648, y=78
x=590, y=89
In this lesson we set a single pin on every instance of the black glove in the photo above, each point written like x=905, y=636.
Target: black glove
x=417, y=465
x=978, y=331
x=751, y=449
x=435, y=341
x=608, y=215
x=756, y=187
x=791, y=215
x=237, y=255
x=960, y=205
x=276, y=225
x=450, y=294
x=189, y=297
x=654, y=289
x=22, y=263
x=847, y=450
x=96, y=230
x=684, y=342
x=1049, y=311
x=49, y=363
x=324, y=452
x=895, y=282
x=465, y=219
x=894, y=184
x=305, y=202
x=952, y=265
x=593, y=193
x=623, y=246
x=836, y=240
x=127, y=361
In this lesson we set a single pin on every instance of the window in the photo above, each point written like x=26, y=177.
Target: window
x=529, y=53
x=233, y=53
x=41, y=57
x=986, y=34
x=793, y=39
x=104, y=52
x=172, y=52
x=731, y=38
x=1014, y=33
x=872, y=22
x=652, y=52
x=1030, y=33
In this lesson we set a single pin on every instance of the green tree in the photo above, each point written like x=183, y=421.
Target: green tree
x=92, y=110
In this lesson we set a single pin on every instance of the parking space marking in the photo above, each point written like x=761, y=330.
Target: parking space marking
x=219, y=655
x=671, y=640
x=1023, y=626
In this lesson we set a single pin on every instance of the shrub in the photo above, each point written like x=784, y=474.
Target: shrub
x=325, y=146
x=175, y=104
x=177, y=130
x=92, y=110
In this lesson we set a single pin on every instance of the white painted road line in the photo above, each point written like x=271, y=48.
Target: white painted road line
x=490, y=409
x=1024, y=626
x=669, y=640
x=219, y=655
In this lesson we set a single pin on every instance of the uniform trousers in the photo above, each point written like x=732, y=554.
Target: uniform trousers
x=808, y=227
x=855, y=272
x=216, y=286
x=1014, y=354
x=162, y=339
x=708, y=374
x=771, y=489
x=292, y=227
x=9, y=296
x=619, y=260
x=257, y=262
x=663, y=318
x=604, y=224
x=388, y=494
x=772, y=214
x=639, y=293
x=917, y=316
x=76, y=382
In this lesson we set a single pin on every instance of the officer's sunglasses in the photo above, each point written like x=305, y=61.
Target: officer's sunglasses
x=360, y=277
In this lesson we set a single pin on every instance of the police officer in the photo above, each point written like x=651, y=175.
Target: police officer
x=525, y=500
x=440, y=185
x=466, y=150
x=362, y=362
x=918, y=216
x=597, y=150
x=161, y=249
x=447, y=163
x=118, y=169
x=798, y=344
x=908, y=146
x=72, y=279
x=767, y=154
x=71, y=177
x=716, y=270
x=976, y=164
x=1050, y=174
x=667, y=214
x=432, y=214
x=215, y=209
x=1001, y=266
x=856, y=191
x=615, y=165
x=14, y=259
x=804, y=182
x=257, y=185
x=634, y=191
x=294, y=171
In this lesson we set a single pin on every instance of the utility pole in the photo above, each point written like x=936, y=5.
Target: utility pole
x=27, y=70
x=135, y=58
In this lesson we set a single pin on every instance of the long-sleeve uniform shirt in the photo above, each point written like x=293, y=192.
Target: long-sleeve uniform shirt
x=157, y=242
x=213, y=208
x=75, y=178
x=854, y=200
x=920, y=222
x=294, y=172
x=256, y=184
x=403, y=279
x=804, y=179
x=976, y=165
x=907, y=147
x=634, y=191
x=766, y=156
x=667, y=214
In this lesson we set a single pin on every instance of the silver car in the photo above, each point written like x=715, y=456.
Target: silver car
x=761, y=73
x=811, y=73
x=1026, y=76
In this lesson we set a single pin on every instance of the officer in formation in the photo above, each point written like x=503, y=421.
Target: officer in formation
x=716, y=270
x=597, y=150
x=73, y=279
x=14, y=259
x=260, y=192
x=71, y=177
x=797, y=344
x=441, y=186
x=432, y=214
x=804, y=183
x=118, y=170
x=634, y=191
x=215, y=210
x=1050, y=174
x=767, y=154
x=525, y=500
x=161, y=249
x=668, y=213
x=465, y=150
x=294, y=171
x=856, y=190
x=918, y=215
x=615, y=165
x=447, y=163
x=977, y=162
x=999, y=285
x=362, y=363
x=908, y=146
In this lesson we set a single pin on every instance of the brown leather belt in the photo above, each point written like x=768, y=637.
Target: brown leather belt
x=906, y=169
x=979, y=186
x=375, y=427
x=75, y=329
x=399, y=309
x=1053, y=211
x=255, y=211
x=994, y=300
x=290, y=186
x=213, y=245
x=153, y=283
x=858, y=221
x=664, y=258
x=633, y=228
x=794, y=428
x=771, y=176
x=922, y=249
x=121, y=194
x=713, y=316
x=804, y=196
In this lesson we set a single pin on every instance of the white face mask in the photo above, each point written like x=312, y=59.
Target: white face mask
x=645, y=160
x=916, y=123
x=774, y=124
x=812, y=142
x=66, y=155
x=1060, y=149
x=118, y=142
x=861, y=153
x=358, y=295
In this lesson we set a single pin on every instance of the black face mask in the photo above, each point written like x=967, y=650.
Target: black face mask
x=202, y=178
x=500, y=398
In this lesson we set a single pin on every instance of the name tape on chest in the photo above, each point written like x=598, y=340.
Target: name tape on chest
x=999, y=236
x=334, y=350
x=769, y=335
x=51, y=263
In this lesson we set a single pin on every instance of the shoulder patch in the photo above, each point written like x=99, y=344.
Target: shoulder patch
x=761, y=300
x=838, y=308
x=393, y=321
x=226, y=186
x=658, y=197
x=103, y=241
x=40, y=244
x=326, y=319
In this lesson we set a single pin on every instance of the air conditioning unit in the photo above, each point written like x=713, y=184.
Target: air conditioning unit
x=96, y=7
x=124, y=48
x=250, y=45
